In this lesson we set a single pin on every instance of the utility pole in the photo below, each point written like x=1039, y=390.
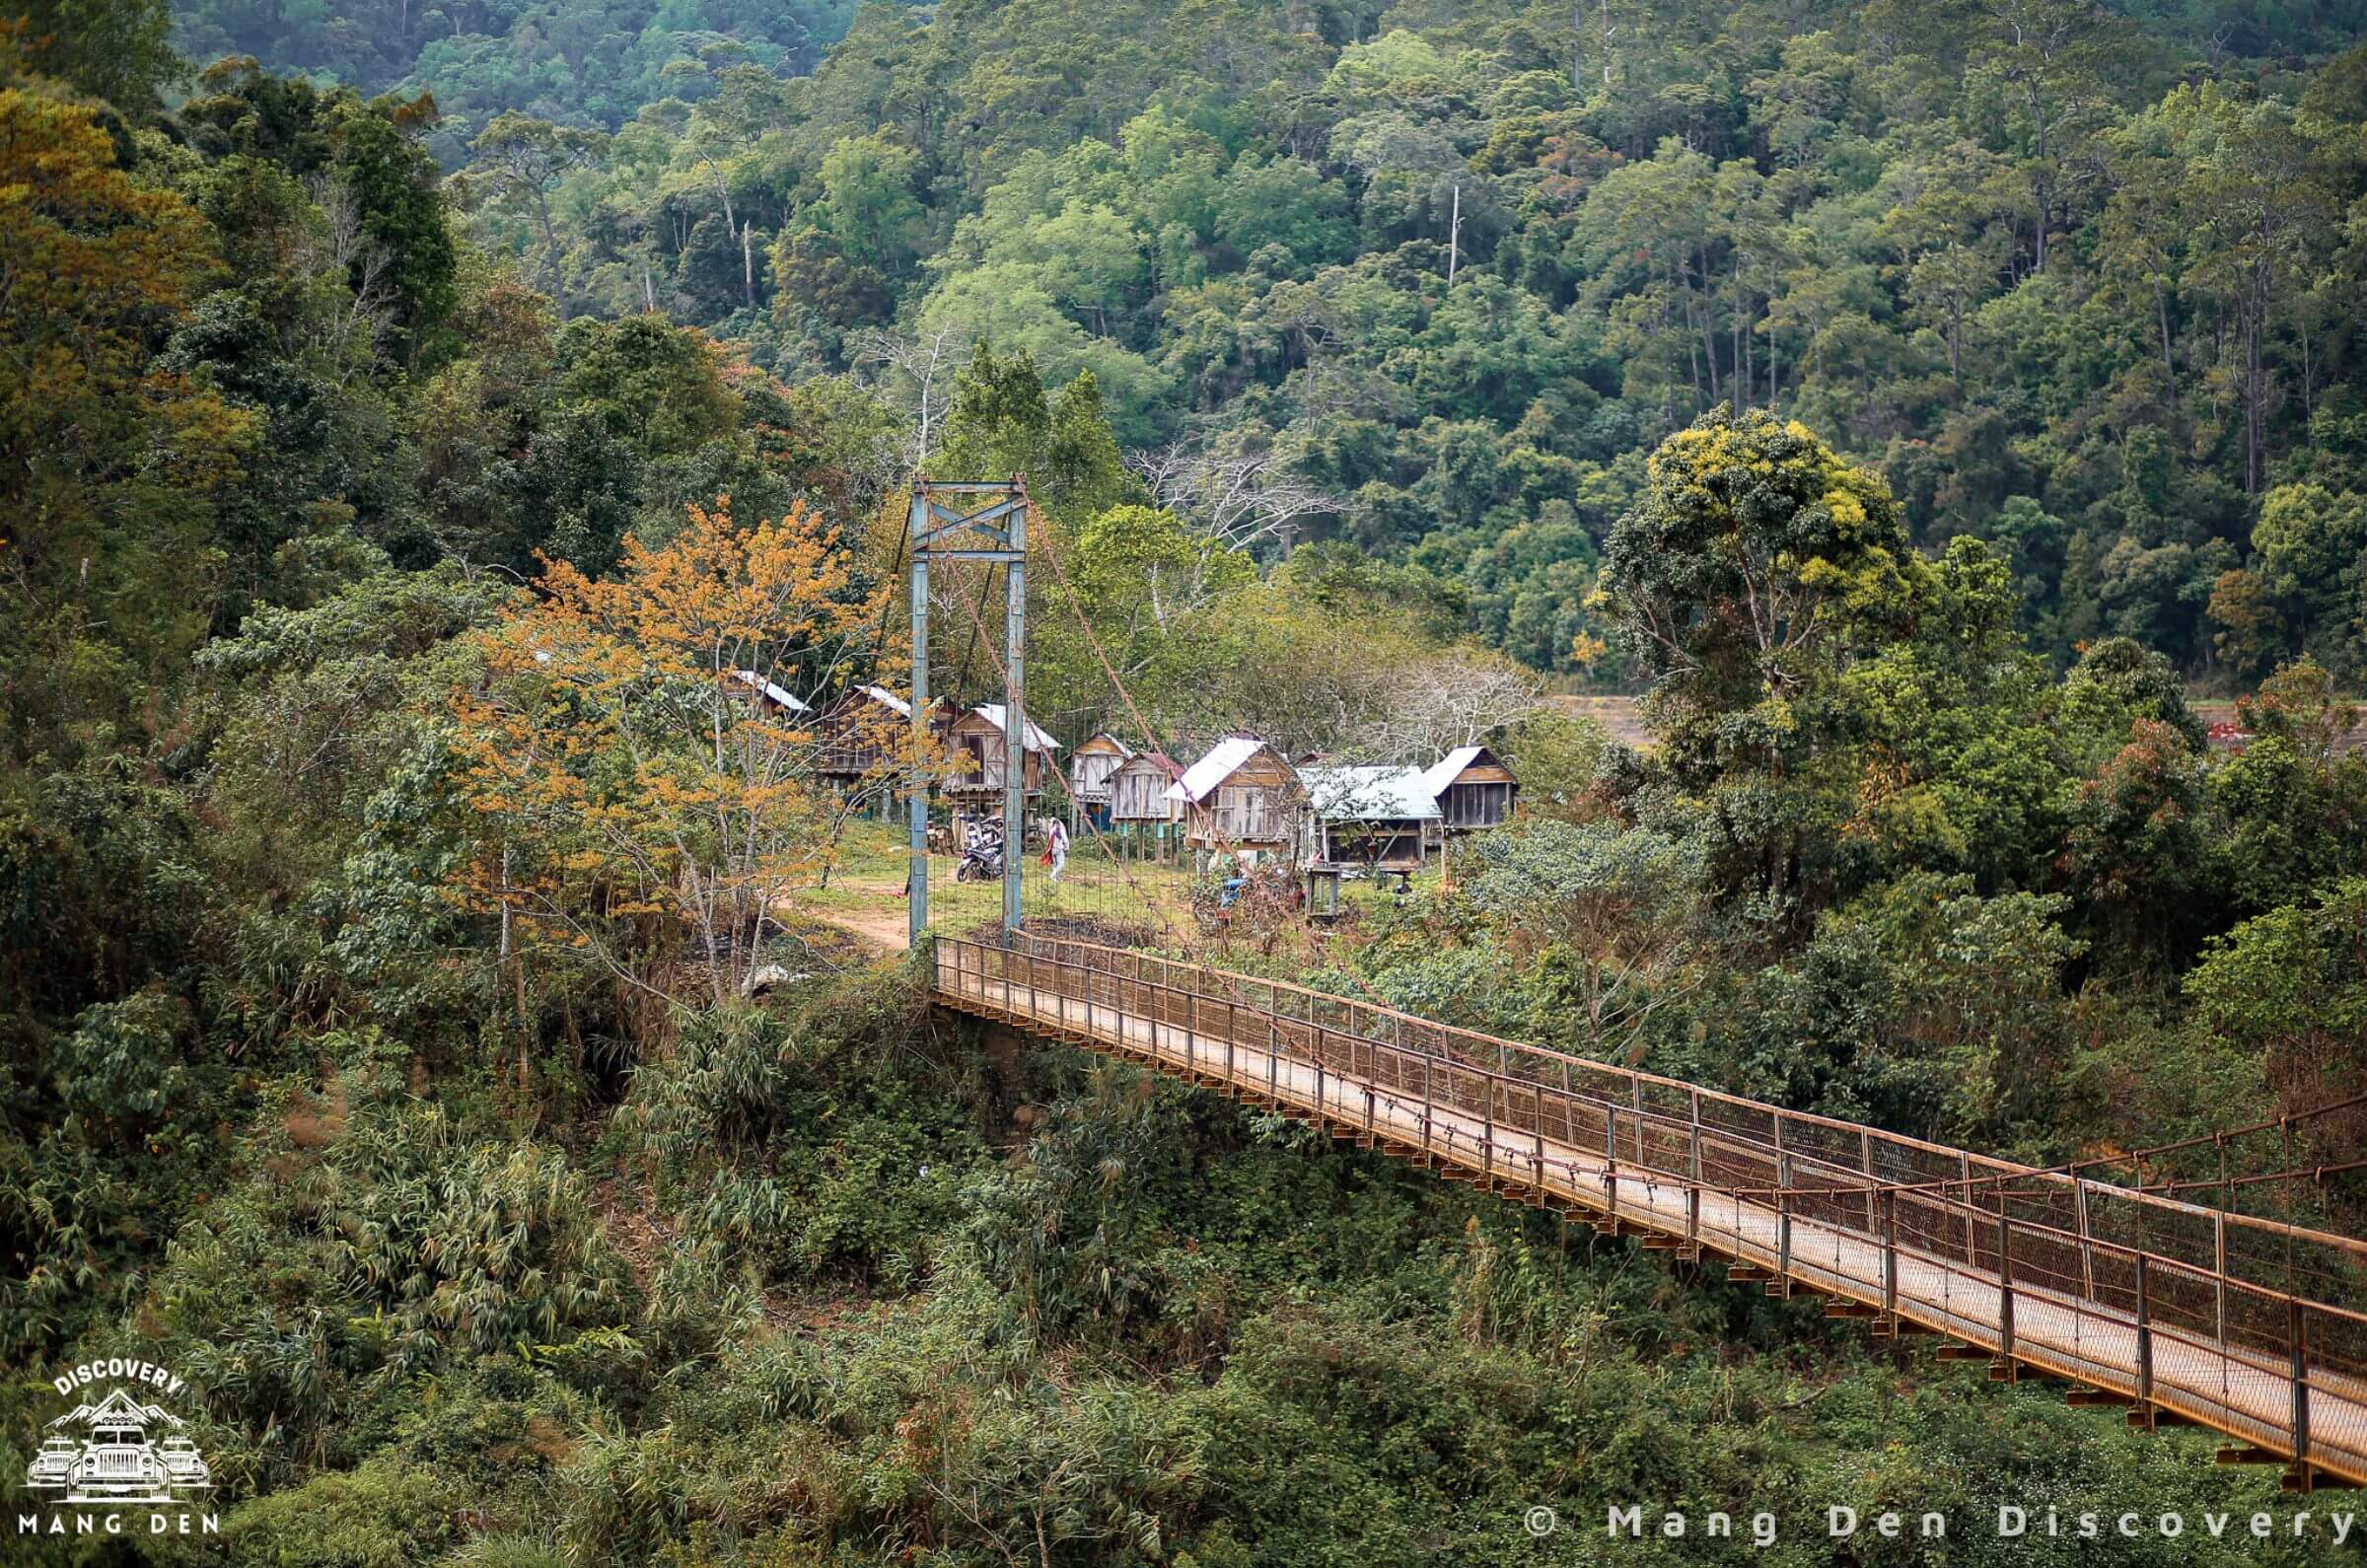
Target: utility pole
x=985, y=522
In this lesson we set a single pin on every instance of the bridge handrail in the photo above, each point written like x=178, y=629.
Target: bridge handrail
x=2001, y=1168
x=2061, y=1253
x=1067, y=954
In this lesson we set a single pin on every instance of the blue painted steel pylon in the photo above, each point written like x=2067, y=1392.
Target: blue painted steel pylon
x=984, y=522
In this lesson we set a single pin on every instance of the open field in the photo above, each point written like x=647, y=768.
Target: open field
x=866, y=896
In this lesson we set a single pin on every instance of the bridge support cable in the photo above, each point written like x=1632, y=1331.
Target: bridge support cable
x=2139, y=1307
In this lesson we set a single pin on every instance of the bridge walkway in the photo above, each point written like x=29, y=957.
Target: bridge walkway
x=2183, y=1315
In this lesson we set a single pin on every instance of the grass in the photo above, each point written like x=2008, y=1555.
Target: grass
x=866, y=894
x=872, y=872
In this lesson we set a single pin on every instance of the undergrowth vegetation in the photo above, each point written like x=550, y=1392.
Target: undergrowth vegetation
x=839, y=1283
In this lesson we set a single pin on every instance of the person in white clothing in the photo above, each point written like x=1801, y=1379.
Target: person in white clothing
x=1056, y=846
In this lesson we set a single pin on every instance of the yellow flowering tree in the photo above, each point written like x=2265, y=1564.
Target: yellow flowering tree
x=642, y=748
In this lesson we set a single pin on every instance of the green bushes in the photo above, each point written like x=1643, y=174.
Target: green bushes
x=367, y=1242
x=822, y=1143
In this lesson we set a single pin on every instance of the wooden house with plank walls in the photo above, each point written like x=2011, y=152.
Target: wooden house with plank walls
x=1141, y=813
x=1473, y=789
x=1367, y=817
x=777, y=701
x=863, y=732
x=1090, y=768
x=977, y=737
x=1243, y=795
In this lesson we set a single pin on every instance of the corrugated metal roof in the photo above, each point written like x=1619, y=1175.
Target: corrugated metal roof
x=1443, y=771
x=1038, y=741
x=780, y=695
x=1214, y=769
x=1158, y=760
x=887, y=698
x=1368, y=793
x=1124, y=751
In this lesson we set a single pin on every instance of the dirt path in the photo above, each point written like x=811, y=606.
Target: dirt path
x=879, y=920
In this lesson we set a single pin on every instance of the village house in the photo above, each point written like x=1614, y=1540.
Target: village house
x=1242, y=797
x=1473, y=789
x=1091, y=768
x=977, y=737
x=862, y=732
x=1369, y=818
x=767, y=694
x=1142, y=815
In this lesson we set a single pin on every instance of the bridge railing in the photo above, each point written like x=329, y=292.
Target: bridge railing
x=2136, y=1275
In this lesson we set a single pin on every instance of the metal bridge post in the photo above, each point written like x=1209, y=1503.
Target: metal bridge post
x=1319, y=1069
x=2219, y=1273
x=1865, y=1157
x=1635, y=1098
x=1611, y=1159
x=916, y=875
x=1783, y=1212
x=2144, y=1335
x=1964, y=1164
x=2005, y=1283
x=2299, y=1324
x=1427, y=1102
x=1538, y=1091
x=2087, y=1247
x=1487, y=1138
x=1890, y=1253
x=1014, y=722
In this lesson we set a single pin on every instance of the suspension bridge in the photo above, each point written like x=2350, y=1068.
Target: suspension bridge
x=2144, y=1299
x=2177, y=1314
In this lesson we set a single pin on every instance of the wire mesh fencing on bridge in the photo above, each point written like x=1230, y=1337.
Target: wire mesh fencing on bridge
x=2238, y=1321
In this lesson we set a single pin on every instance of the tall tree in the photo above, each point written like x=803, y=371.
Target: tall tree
x=107, y=557
x=1755, y=569
x=524, y=160
x=119, y=50
x=626, y=760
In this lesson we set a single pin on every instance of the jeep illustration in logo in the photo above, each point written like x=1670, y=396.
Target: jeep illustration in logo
x=116, y=1462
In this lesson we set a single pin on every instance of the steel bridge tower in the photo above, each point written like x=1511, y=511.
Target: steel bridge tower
x=970, y=521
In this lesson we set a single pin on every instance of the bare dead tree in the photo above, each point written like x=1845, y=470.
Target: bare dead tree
x=342, y=248
x=918, y=372
x=1460, y=697
x=1241, y=500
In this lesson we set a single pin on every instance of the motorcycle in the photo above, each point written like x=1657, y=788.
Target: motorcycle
x=981, y=852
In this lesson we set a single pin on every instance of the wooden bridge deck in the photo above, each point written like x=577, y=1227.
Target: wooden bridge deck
x=2186, y=1316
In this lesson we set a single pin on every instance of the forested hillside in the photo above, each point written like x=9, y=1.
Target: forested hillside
x=2081, y=281
x=401, y=465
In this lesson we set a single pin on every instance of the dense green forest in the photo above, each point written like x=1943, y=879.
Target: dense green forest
x=1911, y=399
x=2079, y=282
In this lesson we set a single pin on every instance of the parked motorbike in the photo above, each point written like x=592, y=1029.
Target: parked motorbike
x=981, y=851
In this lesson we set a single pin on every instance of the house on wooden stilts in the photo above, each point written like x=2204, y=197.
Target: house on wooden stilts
x=1243, y=798
x=1091, y=768
x=1366, y=818
x=866, y=740
x=1473, y=789
x=976, y=736
x=1143, y=815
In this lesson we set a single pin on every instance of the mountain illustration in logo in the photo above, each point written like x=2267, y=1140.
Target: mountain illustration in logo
x=114, y=1459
